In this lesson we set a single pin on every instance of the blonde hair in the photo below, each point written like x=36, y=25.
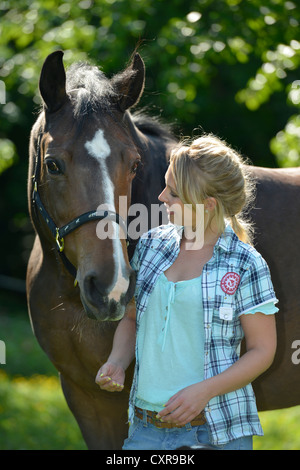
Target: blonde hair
x=209, y=167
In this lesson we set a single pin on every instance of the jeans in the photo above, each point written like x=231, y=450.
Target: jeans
x=145, y=436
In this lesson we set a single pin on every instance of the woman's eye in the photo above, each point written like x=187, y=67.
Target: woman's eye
x=53, y=167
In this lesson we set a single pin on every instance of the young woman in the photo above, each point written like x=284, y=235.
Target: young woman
x=201, y=287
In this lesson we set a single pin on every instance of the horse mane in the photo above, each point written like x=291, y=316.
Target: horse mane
x=153, y=126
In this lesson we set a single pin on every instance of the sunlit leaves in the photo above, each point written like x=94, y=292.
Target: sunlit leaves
x=286, y=144
x=252, y=46
x=240, y=48
x=270, y=78
x=294, y=93
x=7, y=153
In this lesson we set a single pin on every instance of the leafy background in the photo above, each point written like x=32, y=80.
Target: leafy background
x=230, y=67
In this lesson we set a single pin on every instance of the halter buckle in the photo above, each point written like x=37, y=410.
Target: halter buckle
x=59, y=241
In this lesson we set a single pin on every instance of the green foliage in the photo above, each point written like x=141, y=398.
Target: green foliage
x=223, y=66
x=8, y=154
x=286, y=144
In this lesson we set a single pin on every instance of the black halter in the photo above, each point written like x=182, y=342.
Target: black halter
x=60, y=233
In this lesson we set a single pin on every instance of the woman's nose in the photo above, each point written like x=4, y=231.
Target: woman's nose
x=162, y=197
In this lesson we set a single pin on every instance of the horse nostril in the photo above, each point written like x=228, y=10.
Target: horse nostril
x=93, y=289
x=97, y=292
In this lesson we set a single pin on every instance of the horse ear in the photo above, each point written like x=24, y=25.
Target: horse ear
x=129, y=84
x=53, y=82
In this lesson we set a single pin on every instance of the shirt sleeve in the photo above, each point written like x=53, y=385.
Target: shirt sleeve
x=267, y=309
x=255, y=289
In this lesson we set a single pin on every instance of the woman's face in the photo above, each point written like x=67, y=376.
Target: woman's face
x=171, y=200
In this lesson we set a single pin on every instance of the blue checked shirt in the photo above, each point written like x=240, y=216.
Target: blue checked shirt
x=234, y=281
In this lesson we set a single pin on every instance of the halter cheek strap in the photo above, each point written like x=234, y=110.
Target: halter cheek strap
x=59, y=233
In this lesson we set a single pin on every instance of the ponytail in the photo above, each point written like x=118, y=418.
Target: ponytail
x=242, y=228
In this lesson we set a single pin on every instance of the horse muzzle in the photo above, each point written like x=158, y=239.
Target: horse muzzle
x=103, y=304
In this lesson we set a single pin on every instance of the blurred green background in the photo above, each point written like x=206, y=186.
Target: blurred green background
x=230, y=67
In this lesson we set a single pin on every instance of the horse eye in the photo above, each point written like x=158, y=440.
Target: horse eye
x=135, y=166
x=53, y=167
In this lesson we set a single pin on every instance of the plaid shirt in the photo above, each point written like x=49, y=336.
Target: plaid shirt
x=234, y=414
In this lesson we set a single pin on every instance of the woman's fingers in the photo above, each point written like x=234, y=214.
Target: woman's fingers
x=106, y=383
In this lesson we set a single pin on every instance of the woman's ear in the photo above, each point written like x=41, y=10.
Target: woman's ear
x=210, y=204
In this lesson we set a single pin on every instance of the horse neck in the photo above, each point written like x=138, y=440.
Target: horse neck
x=150, y=142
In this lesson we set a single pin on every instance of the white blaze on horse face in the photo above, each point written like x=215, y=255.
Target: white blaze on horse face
x=99, y=148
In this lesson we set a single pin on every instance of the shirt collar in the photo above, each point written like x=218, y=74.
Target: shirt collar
x=227, y=240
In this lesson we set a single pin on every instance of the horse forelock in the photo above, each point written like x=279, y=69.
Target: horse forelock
x=89, y=90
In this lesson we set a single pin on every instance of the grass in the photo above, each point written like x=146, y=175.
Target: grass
x=281, y=429
x=33, y=411
x=34, y=415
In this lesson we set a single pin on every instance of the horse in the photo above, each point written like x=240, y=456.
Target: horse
x=86, y=150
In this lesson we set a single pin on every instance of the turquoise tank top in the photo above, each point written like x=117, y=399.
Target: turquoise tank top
x=170, y=342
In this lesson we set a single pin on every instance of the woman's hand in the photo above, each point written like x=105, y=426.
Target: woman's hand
x=186, y=404
x=111, y=377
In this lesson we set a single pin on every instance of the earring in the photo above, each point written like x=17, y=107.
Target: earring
x=206, y=211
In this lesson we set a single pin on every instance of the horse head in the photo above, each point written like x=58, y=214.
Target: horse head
x=86, y=157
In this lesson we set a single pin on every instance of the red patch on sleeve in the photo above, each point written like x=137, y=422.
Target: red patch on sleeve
x=230, y=282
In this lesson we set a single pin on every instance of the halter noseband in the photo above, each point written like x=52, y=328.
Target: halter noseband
x=60, y=233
